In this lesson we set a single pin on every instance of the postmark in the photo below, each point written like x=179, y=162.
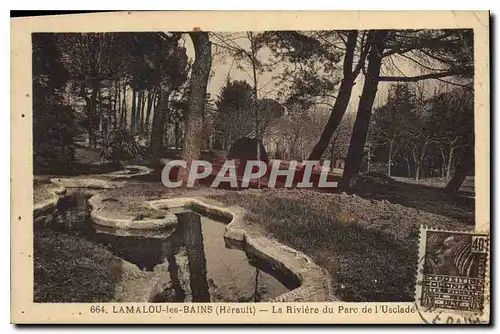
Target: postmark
x=452, y=275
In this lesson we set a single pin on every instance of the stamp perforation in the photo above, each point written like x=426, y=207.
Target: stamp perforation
x=452, y=284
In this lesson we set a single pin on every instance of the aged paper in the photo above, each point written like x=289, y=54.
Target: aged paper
x=379, y=119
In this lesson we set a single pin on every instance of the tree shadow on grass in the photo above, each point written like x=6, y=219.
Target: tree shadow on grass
x=426, y=198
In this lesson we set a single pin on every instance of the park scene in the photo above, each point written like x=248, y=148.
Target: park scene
x=386, y=116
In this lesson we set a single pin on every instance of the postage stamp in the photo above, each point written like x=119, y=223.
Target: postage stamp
x=452, y=271
x=250, y=167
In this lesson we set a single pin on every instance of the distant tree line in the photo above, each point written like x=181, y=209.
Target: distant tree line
x=423, y=135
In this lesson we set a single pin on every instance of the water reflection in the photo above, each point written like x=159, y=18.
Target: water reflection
x=193, y=238
x=200, y=266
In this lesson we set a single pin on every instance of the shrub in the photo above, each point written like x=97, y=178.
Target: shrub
x=120, y=145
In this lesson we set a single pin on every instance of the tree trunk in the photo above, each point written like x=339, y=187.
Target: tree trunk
x=341, y=102
x=141, y=115
x=443, y=163
x=464, y=167
x=450, y=160
x=158, y=127
x=419, y=159
x=92, y=113
x=151, y=97
x=99, y=114
x=119, y=105
x=177, y=135
x=196, y=101
x=138, y=112
x=408, y=167
x=362, y=123
x=134, y=111
x=124, y=108
x=115, y=104
x=389, y=161
x=109, y=121
x=255, y=98
x=417, y=170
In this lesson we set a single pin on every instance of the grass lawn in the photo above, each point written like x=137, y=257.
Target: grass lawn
x=369, y=247
x=71, y=269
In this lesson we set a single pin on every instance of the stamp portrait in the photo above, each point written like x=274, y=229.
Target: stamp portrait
x=452, y=270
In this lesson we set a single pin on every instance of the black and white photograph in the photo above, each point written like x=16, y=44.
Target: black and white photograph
x=204, y=166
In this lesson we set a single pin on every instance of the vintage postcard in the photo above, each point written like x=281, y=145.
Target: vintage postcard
x=251, y=168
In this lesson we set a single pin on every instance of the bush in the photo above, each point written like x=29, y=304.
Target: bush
x=120, y=145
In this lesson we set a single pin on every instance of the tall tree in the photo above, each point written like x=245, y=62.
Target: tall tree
x=362, y=123
x=193, y=140
x=418, y=137
x=308, y=50
x=439, y=53
x=247, y=51
x=234, y=118
x=452, y=122
x=464, y=167
x=390, y=124
x=92, y=58
x=151, y=99
x=170, y=63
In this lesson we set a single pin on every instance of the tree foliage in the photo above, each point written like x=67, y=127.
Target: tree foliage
x=53, y=122
x=313, y=65
x=234, y=117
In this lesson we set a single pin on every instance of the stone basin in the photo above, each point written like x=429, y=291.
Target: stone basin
x=307, y=281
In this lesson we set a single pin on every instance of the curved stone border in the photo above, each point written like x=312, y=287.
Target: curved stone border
x=99, y=217
x=316, y=282
x=49, y=204
x=86, y=183
x=118, y=175
x=150, y=234
x=98, y=214
x=62, y=184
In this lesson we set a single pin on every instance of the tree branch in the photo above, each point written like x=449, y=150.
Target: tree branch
x=421, y=77
x=416, y=43
x=362, y=57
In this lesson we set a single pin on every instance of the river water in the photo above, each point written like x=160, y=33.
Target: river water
x=200, y=265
